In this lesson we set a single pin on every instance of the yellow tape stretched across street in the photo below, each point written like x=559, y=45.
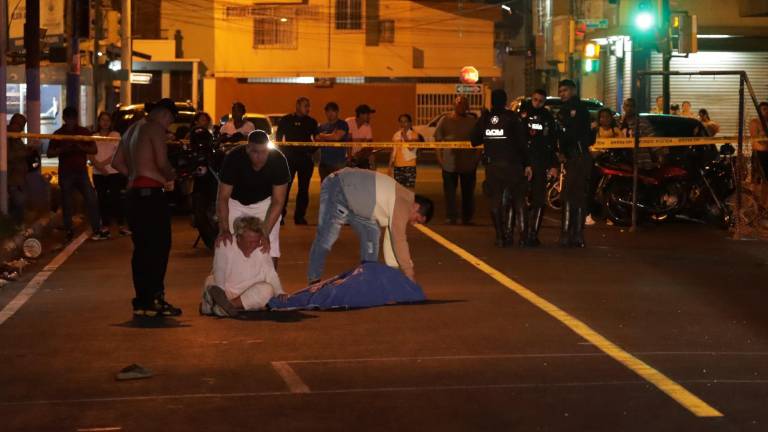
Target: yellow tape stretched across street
x=616, y=143
x=378, y=144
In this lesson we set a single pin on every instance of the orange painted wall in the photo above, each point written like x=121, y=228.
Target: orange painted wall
x=389, y=100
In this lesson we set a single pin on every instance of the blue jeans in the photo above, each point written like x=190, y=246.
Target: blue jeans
x=334, y=213
x=69, y=182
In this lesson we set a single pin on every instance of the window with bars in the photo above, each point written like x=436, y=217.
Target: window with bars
x=387, y=31
x=275, y=28
x=349, y=14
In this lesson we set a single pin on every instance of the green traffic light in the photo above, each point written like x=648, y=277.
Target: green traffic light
x=644, y=20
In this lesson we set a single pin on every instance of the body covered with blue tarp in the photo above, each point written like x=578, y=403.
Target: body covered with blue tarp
x=370, y=284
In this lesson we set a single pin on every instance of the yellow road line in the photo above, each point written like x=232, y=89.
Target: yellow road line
x=674, y=390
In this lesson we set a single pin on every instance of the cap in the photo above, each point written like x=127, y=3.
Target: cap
x=364, y=109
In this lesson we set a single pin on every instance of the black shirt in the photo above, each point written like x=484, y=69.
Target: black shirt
x=576, y=136
x=297, y=128
x=251, y=186
x=541, y=129
x=502, y=134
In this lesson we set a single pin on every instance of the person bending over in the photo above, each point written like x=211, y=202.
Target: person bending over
x=243, y=277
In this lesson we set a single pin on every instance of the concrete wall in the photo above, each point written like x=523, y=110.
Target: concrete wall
x=389, y=100
x=449, y=41
x=196, y=23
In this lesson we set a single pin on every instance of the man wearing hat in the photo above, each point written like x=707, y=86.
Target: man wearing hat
x=360, y=131
x=143, y=157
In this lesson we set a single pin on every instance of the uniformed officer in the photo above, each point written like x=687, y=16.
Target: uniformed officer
x=542, y=142
x=507, y=166
x=575, y=140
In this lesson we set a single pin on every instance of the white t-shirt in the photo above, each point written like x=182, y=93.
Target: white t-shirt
x=235, y=274
x=105, y=151
x=406, y=153
x=245, y=129
x=357, y=133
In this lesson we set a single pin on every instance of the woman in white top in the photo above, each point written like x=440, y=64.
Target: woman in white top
x=110, y=184
x=244, y=277
x=402, y=162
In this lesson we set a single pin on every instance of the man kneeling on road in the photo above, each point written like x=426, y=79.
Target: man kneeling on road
x=243, y=276
x=367, y=200
x=254, y=182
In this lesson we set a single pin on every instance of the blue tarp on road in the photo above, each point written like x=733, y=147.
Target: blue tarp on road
x=370, y=284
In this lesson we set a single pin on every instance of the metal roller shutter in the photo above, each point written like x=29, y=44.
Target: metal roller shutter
x=610, y=81
x=718, y=94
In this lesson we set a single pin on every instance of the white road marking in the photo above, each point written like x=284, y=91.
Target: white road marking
x=33, y=285
x=291, y=378
x=100, y=429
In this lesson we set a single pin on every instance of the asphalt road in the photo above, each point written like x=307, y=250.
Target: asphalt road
x=681, y=299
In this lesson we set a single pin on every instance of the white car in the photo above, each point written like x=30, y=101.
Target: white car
x=428, y=130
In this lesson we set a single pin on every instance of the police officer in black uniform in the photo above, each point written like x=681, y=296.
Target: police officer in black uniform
x=575, y=140
x=542, y=149
x=506, y=157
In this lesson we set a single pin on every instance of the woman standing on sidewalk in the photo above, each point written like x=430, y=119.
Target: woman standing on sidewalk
x=110, y=184
x=402, y=163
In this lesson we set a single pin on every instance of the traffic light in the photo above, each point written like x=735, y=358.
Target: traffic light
x=685, y=27
x=645, y=27
x=113, y=33
x=591, y=57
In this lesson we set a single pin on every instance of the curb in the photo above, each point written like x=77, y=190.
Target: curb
x=11, y=247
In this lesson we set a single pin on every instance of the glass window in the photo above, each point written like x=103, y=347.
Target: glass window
x=349, y=14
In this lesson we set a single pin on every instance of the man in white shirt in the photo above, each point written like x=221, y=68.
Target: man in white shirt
x=360, y=131
x=237, y=125
x=244, y=277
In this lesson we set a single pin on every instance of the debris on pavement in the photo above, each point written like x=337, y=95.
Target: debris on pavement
x=133, y=372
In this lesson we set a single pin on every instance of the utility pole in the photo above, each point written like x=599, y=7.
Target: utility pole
x=665, y=37
x=127, y=52
x=73, y=74
x=3, y=110
x=32, y=64
x=96, y=68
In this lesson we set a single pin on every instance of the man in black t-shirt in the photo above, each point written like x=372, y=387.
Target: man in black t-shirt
x=254, y=182
x=299, y=126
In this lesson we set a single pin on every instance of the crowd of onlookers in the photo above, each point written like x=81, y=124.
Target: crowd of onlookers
x=104, y=196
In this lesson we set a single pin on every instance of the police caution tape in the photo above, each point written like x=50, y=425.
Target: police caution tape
x=380, y=145
x=614, y=143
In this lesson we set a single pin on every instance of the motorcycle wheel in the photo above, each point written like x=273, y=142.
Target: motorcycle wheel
x=553, y=195
x=618, y=212
x=750, y=210
x=204, y=219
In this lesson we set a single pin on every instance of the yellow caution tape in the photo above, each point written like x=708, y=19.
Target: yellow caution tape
x=382, y=145
x=614, y=143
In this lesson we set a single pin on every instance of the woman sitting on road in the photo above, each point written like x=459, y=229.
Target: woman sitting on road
x=244, y=277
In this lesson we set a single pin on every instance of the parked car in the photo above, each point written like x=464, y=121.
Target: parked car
x=127, y=115
x=553, y=103
x=428, y=130
x=260, y=121
x=275, y=119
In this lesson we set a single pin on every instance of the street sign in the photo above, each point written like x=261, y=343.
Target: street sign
x=141, y=78
x=593, y=24
x=469, y=88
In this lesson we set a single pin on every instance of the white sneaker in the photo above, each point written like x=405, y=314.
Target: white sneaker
x=206, y=305
x=589, y=221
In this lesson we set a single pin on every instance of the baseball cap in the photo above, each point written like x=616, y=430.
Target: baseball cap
x=364, y=109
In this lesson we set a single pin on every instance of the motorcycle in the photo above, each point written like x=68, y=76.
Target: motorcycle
x=697, y=183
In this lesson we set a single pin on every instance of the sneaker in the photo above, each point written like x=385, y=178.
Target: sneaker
x=125, y=231
x=101, y=235
x=141, y=310
x=166, y=309
x=589, y=221
x=220, y=299
x=206, y=305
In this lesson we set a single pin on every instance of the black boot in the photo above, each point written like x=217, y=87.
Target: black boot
x=509, y=225
x=535, y=217
x=521, y=219
x=498, y=226
x=565, y=226
x=577, y=227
